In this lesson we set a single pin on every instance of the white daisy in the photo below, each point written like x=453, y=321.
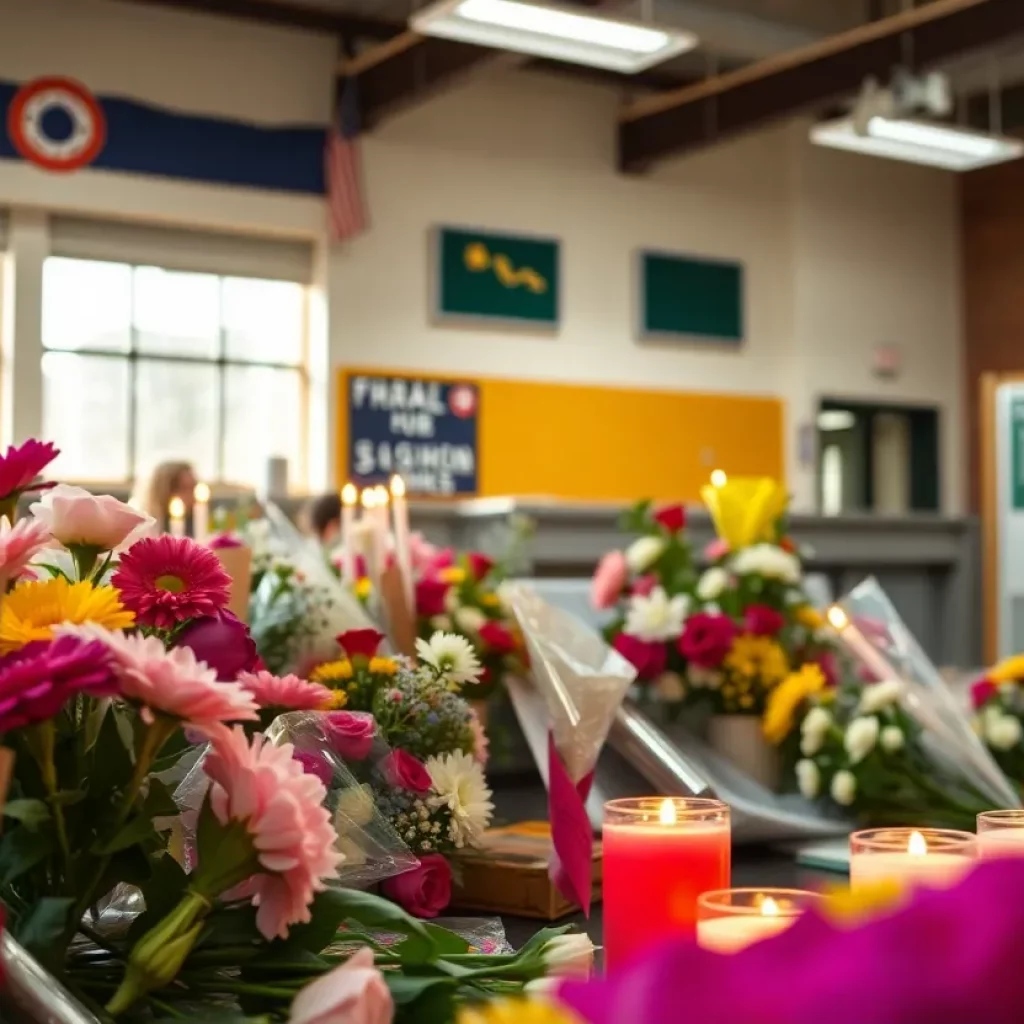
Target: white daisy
x=768, y=560
x=459, y=785
x=656, y=616
x=451, y=656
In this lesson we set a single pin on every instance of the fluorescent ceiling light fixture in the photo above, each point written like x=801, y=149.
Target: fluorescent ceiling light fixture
x=543, y=30
x=919, y=142
x=836, y=419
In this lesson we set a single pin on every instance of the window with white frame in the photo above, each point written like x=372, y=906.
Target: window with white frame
x=144, y=364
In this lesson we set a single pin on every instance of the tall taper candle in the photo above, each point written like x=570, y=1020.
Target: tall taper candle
x=201, y=513
x=349, y=497
x=374, y=553
x=403, y=548
x=176, y=512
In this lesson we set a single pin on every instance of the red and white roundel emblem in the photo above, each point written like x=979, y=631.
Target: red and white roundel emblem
x=462, y=401
x=56, y=123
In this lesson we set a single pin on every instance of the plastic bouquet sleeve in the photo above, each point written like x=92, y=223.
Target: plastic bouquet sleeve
x=582, y=683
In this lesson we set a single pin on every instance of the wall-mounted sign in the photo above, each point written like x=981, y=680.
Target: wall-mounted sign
x=482, y=276
x=686, y=296
x=1017, y=451
x=423, y=428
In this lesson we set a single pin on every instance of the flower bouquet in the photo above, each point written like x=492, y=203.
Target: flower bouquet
x=997, y=699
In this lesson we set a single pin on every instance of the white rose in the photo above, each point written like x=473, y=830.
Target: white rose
x=767, y=560
x=644, y=552
x=1003, y=733
x=811, y=743
x=817, y=720
x=861, y=737
x=808, y=778
x=844, y=787
x=469, y=620
x=878, y=696
x=712, y=583
x=669, y=687
x=892, y=739
x=77, y=518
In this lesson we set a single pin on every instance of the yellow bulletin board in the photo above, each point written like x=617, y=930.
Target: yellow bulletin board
x=596, y=443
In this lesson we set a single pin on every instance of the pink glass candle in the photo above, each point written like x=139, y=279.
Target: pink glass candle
x=1001, y=834
x=660, y=854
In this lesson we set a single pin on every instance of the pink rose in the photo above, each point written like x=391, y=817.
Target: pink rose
x=403, y=771
x=80, y=519
x=982, y=692
x=479, y=565
x=350, y=733
x=671, y=517
x=609, y=579
x=353, y=993
x=716, y=550
x=643, y=585
x=421, y=551
x=221, y=541
x=315, y=765
x=761, y=620
x=647, y=656
x=497, y=638
x=426, y=890
x=360, y=643
x=442, y=559
x=430, y=595
x=706, y=639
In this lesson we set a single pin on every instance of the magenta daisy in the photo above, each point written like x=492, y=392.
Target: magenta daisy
x=289, y=692
x=19, y=467
x=168, y=580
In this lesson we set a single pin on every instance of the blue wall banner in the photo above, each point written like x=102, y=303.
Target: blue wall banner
x=425, y=429
x=53, y=120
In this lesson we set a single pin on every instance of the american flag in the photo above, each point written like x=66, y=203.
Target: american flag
x=346, y=205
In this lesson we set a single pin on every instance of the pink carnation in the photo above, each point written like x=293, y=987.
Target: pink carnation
x=716, y=550
x=609, y=580
x=19, y=544
x=643, y=585
x=281, y=805
x=288, y=692
x=707, y=639
x=170, y=682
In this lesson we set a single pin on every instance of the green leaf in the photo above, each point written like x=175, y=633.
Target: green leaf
x=111, y=760
x=21, y=850
x=31, y=813
x=230, y=926
x=40, y=928
x=137, y=830
x=447, y=942
x=159, y=803
x=162, y=893
x=428, y=1000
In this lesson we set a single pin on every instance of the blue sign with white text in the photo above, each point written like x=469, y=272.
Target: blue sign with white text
x=425, y=430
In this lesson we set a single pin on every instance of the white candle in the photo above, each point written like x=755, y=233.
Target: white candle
x=201, y=513
x=382, y=523
x=403, y=549
x=176, y=511
x=860, y=644
x=731, y=933
x=349, y=497
x=918, y=863
x=374, y=555
x=1001, y=842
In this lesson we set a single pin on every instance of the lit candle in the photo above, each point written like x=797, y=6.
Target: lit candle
x=718, y=478
x=403, y=549
x=382, y=523
x=201, y=513
x=176, y=511
x=910, y=857
x=349, y=497
x=1001, y=834
x=859, y=643
x=375, y=553
x=732, y=919
x=659, y=856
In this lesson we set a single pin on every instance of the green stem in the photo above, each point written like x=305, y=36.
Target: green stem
x=42, y=742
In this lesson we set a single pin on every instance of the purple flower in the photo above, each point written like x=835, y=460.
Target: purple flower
x=223, y=642
x=36, y=681
x=948, y=955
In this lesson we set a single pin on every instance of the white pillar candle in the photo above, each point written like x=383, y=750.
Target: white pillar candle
x=907, y=857
x=403, y=549
x=375, y=552
x=731, y=934
x=176, y=512
x=201, y=513
x=1001, y=834
x=349, y=497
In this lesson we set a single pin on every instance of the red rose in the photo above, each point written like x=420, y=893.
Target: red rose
x=360, y=643
x=425, y=890
x=430, y=595
x=671, y=517
x=497, y=638
x=647, y=656
x=982, y=692
x=479, y=565
x=706, y=639
x=403, y=771
x=761, y=620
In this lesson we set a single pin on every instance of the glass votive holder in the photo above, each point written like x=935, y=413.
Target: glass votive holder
x=659, y=854
x=729, y=920
x=911, y=857
x=1001, y=834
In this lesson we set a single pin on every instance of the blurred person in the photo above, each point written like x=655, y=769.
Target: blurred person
x=323, y=519
x=172, y=479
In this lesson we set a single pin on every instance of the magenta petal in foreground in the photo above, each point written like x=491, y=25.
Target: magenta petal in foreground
x=571, y=867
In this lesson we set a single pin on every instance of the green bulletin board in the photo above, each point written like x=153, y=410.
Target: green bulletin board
x=512, y=279
x=1017, y=452
x=686, y=296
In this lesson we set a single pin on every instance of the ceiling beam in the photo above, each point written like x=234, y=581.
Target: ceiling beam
x=684, y=119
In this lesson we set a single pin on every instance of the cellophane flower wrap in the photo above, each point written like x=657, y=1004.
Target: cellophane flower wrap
x=891, y=743
x=997, y=715
x=579, y=684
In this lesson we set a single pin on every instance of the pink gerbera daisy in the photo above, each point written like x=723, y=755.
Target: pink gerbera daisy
x=19, y=544
x=20, y=466
x=168, y=580
x=170, y=682
x=280, y=803
x=289, y=692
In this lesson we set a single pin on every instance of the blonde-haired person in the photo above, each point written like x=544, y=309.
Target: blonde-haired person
x=174, y=479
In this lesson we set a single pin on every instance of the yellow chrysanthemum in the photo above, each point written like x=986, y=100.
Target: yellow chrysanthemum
x=332, y=672
x=490, y=600
x=339, y=698
x=31, y=610
x=452, y=574
x=809, y=616
x=786, y=698
x=852, y=906
x=383, y=666
x=757, y=658
x=1009, y=670
x=363, y=588
x=516, y=1011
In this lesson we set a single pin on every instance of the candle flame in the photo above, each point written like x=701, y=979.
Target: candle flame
x=349, y=494
x=769, y=908
x=917, y=845
x=177, y=508
x=837, y=617
x=201, y=493
x=397, y=487
x=369, y=497
x=718, y=478
x=667, y=813
x=381, y=496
